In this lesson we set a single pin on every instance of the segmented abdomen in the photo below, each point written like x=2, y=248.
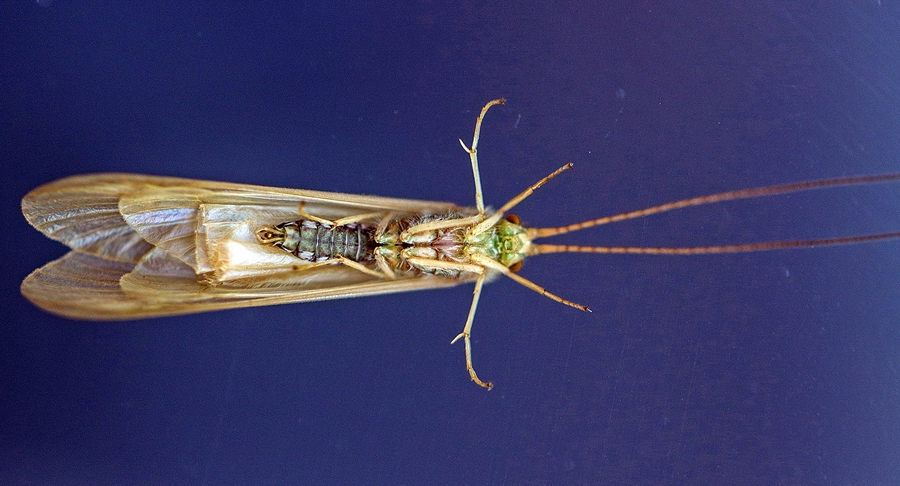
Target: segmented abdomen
x=315, y=242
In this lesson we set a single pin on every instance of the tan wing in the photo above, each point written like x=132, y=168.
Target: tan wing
x=84, y=286
x=143, y=246
x=83, y=211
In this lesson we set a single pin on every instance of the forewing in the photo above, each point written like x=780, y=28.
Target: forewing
x=83, y=213
x=84, y=286
x=81, y=286
x=89, y=212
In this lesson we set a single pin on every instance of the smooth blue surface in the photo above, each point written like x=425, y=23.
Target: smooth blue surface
x=767, y=368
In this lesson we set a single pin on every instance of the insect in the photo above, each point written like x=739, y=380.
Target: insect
x=146, y=246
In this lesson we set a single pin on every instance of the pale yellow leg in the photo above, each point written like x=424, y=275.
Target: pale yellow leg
x=432, y=264
x=467, y=334
x=343, y=221
x=494, y=265
x=490, y=222
x=384, y=266
x=359, y=217
x=339, y=260
x=441, y=224
x=383, y=224
x=467, y=330
x=362, y=268
x=473, y=154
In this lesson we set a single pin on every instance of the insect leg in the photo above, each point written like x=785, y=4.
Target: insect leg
x=430, y=264
x=467, y=334
x=310, y=217
x=467, y=330
x=490, y=222
x=343, y=221
x=473, y=154
x=494, y=265
x=440, y=224
x=340, y=260
x=382, y=263
x=383, y=224
x=359, y=217
x=362, y=268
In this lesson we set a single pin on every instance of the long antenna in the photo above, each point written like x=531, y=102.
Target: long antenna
x=536, y=233
x=706, y=250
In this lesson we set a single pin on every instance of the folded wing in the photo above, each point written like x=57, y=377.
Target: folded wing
x=147, y=246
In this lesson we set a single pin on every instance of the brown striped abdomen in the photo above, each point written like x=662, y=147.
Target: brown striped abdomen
x=315, y=242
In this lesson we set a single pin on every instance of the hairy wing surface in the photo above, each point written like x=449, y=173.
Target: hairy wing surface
x=150, y=246
x=84, y=286
x=83, y=213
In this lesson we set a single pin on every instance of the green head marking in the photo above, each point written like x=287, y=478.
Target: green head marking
x=510, y=242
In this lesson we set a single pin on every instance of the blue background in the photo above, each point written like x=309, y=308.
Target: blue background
x=767, y=368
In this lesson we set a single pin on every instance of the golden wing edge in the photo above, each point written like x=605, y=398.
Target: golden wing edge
x=85, y=217
x=125, y=183
x=84, y=212
x=86, y=287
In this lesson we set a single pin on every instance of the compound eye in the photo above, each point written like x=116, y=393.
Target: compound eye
x=515, y=267
x=513, y=218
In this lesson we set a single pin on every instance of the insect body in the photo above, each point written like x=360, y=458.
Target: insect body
x=145, y=246
x=316, y=242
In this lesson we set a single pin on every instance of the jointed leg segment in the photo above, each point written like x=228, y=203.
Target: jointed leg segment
x=467, y=334
x=473, y=154
x=356, y=218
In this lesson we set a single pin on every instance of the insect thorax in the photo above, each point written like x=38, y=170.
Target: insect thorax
x=396, y=247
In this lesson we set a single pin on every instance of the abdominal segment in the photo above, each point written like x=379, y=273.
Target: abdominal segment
x=315, y=242
x=390, y=249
